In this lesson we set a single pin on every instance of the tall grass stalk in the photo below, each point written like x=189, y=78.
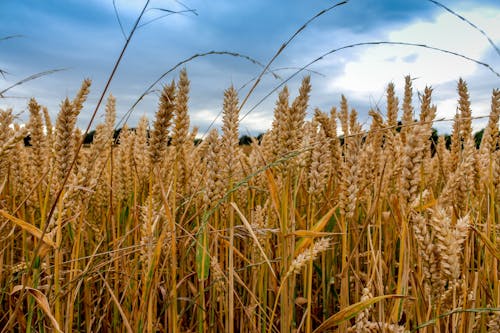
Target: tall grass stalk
x=378, y=229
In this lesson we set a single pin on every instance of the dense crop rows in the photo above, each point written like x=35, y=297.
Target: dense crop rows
x=376, y=230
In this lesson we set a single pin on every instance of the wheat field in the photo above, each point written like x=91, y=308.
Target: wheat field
x=320, y=226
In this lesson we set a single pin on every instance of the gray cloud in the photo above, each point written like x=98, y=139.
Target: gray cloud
x=85, y=38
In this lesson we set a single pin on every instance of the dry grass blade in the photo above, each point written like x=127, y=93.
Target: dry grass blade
x=80, y=145
x=489, y=244
x=351, y=311
x=153, y=232
x=3, y=185
x=444, y=315
x=149, y=89
x=314, y=234
x=10, y=37
x=117, y=15
x=168, y=13
x=468, y=22
x=30, y=78
x=2, y=72
x=202, y=255
x=273, y=190
x=42, y=302
x=364, y=44
x=318, y=227
x=11, y=143
x=117, y=304
x=252, y=233
x=282, y=47
x=29, y=228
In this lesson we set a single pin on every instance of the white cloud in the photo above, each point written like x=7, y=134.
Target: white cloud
x=205, y=117
x=256, y=122
x=378, y=65
x=366, y=76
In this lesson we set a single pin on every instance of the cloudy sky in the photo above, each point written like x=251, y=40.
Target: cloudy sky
x=85, y=38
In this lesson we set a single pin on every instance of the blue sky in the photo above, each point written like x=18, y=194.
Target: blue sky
x=84, y=37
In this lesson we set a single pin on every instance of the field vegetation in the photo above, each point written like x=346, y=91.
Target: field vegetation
x=380, y=229
x=320, y=225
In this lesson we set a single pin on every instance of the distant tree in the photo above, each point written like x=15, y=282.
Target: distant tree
x=116, y=134
x=27, y=141
x=434, y=140
x=245, y=140
x=478, y=136
x=400, y=124
x=447, y=140
x=260, y=137
x=89, y=138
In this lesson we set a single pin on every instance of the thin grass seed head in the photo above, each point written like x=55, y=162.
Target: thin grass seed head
x=81, y=97
x=309, y=254
x=407, y=107
x=278, y=134
x=392, y=107
x=230, y=134
x=465, y=110
x=297, y=114
x=425, y=105
x=64, y=143
x=344, y=116
x=181, y=121
x=159, y=135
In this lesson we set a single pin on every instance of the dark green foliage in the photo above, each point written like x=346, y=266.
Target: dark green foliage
x=434, y=140
x=27, y=141
x=447, y=139
x=89, y=138
x=260, y=137
x=245, y=140
x=400, y=125
x=478, y=136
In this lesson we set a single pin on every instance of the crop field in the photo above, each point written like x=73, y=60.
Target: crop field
x=323, y=223
x=380, y=229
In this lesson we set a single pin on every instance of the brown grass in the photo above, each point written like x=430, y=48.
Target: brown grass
x=299, y=233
